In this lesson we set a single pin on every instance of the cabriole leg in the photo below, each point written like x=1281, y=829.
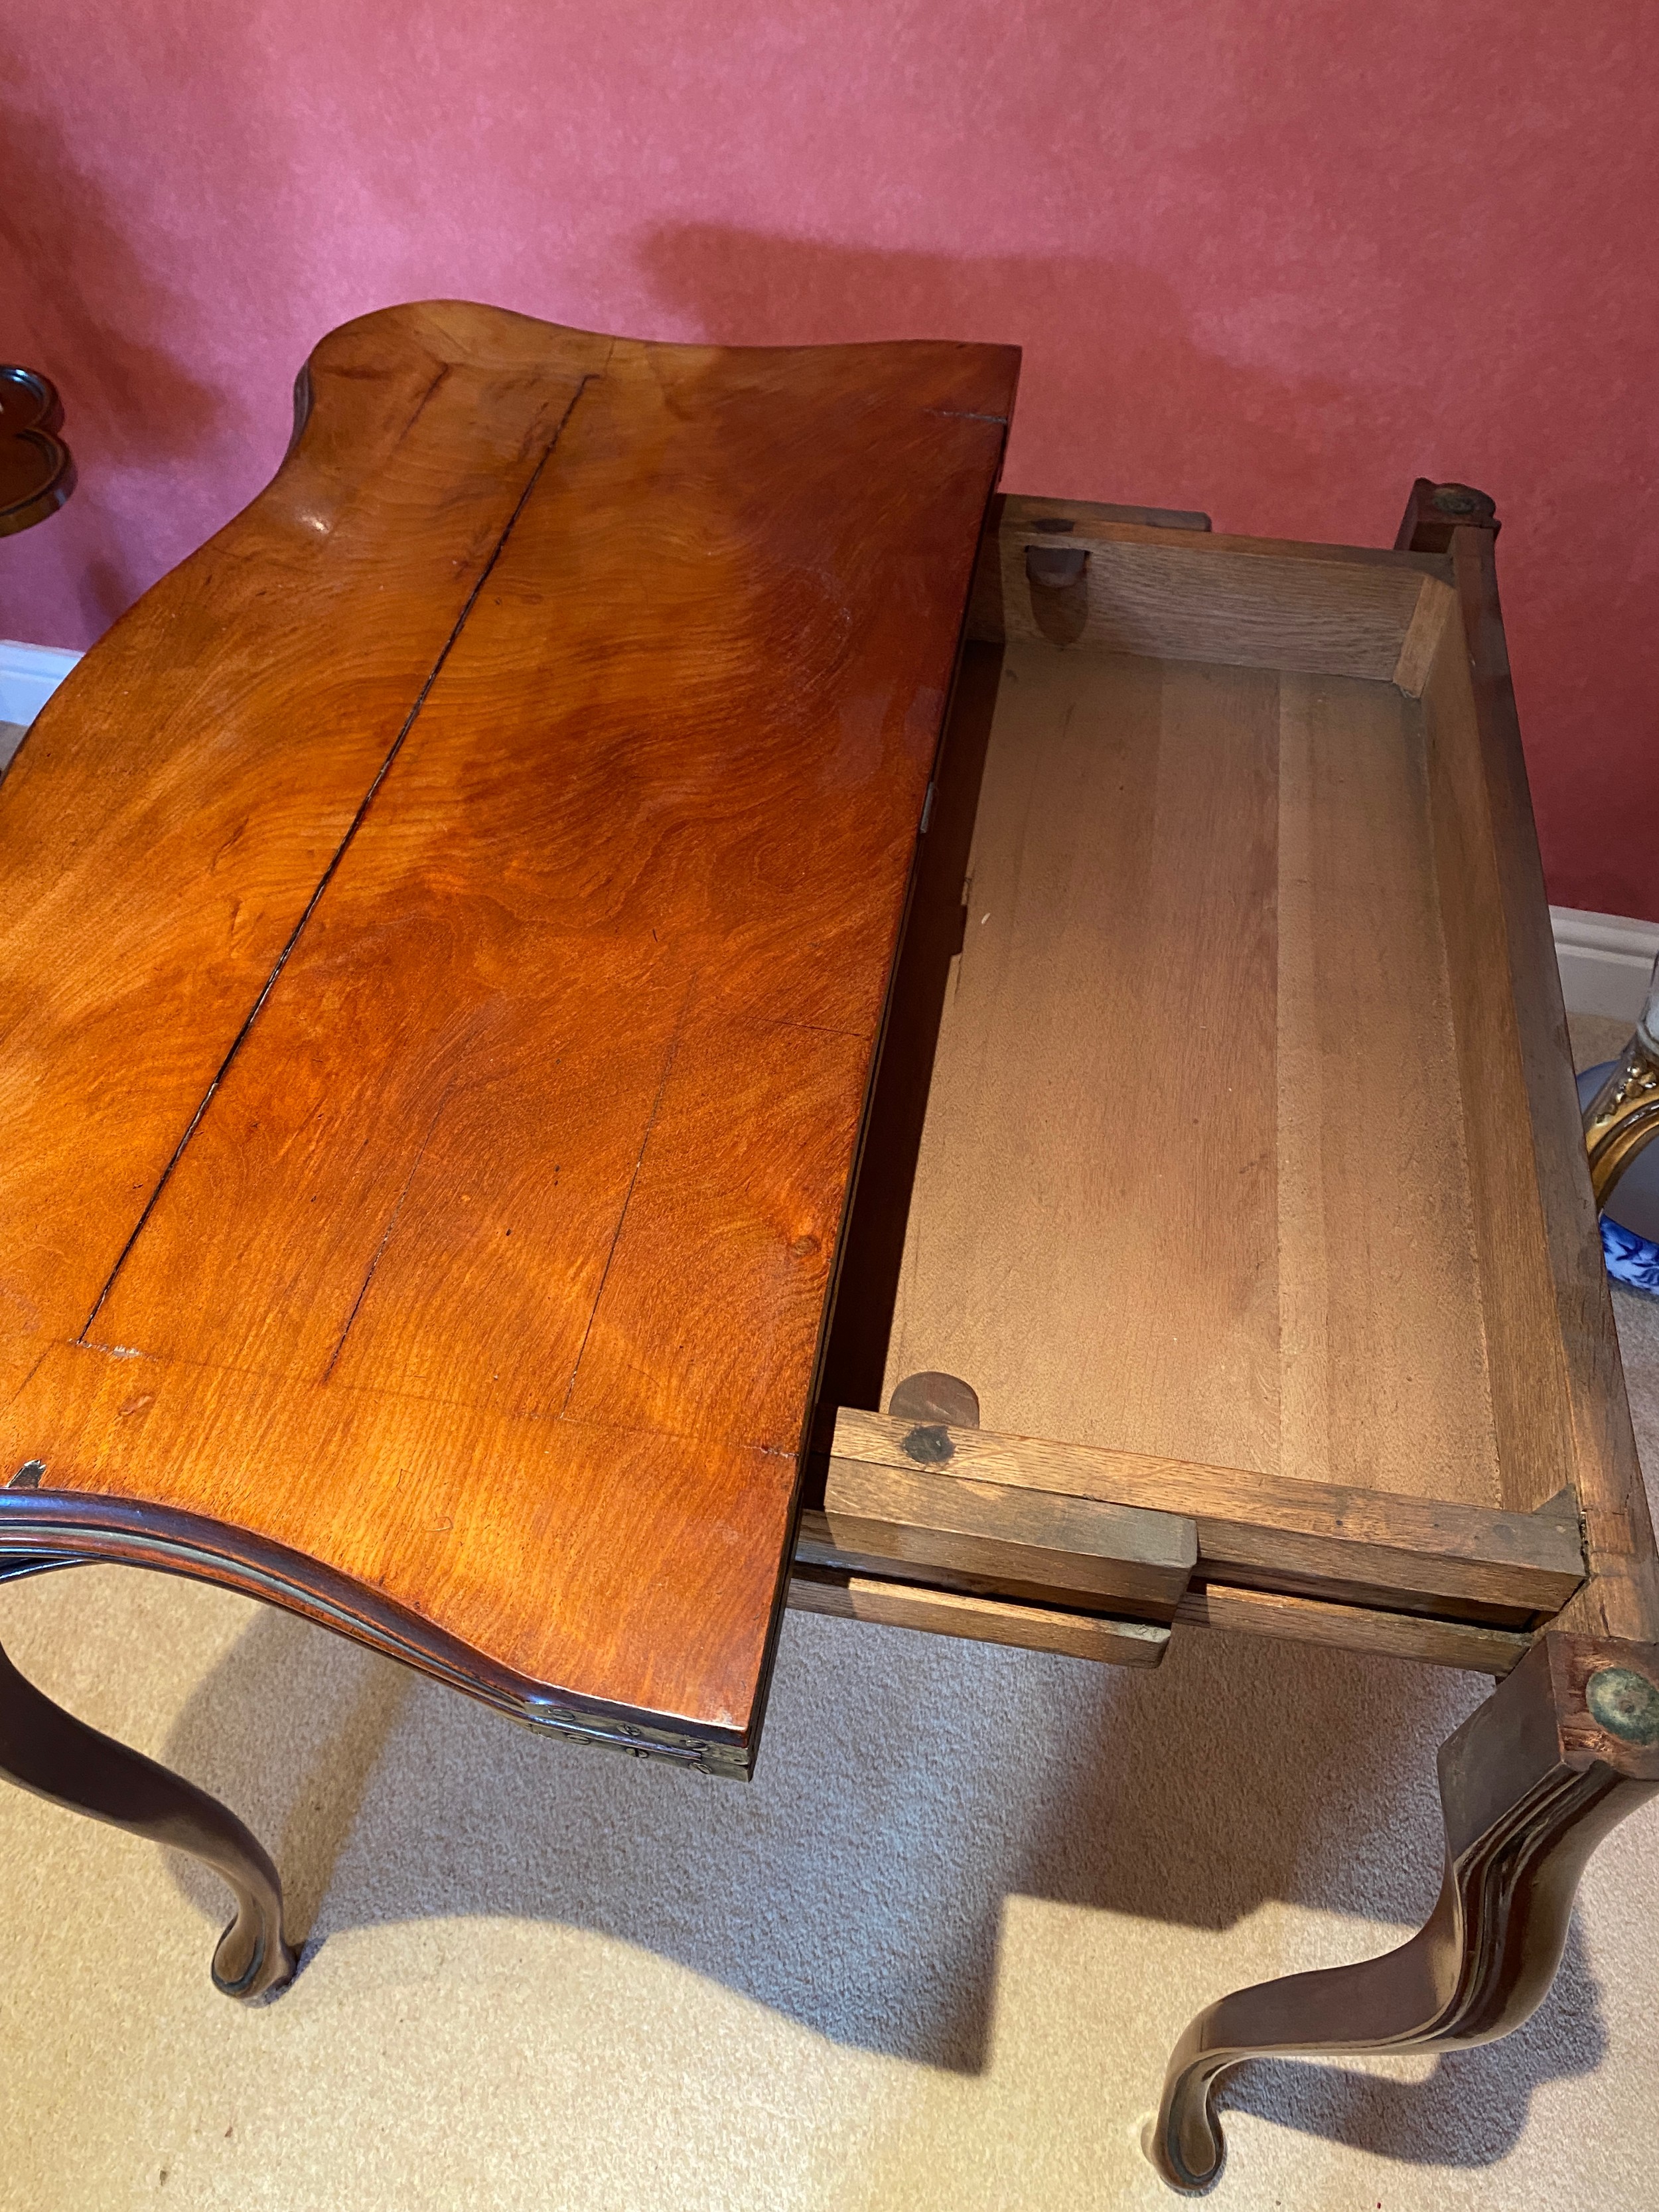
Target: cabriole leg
x=1566, y=1747
x=46, y=1750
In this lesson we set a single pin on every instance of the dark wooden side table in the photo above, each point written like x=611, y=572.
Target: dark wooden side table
x=677, y=1010
x=37, y=470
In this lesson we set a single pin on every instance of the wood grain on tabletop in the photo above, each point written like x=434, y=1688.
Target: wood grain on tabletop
x=429, y=1144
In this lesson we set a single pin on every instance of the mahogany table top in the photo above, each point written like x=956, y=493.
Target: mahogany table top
x=448, y=925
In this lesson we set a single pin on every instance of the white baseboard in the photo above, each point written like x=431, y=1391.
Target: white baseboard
x=1606, y=958
x=29, y=674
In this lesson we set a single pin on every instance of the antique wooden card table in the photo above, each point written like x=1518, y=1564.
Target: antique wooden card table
x=632, y=1000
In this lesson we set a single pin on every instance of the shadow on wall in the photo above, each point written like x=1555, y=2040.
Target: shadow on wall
x=85, y=307
x=907, y=1787
x=1117, y=400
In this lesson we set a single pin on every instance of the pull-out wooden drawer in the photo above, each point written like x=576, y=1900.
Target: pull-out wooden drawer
x=1226, y=1142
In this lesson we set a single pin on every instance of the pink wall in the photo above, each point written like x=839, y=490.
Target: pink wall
x=1271, y=257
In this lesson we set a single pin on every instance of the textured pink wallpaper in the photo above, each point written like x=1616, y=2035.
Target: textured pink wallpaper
x=1273, y=260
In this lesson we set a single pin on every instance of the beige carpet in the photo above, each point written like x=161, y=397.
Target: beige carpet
x=933, y=1957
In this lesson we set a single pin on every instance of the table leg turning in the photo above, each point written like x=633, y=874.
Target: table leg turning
x=1565, y=1747
x=48, y=1751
